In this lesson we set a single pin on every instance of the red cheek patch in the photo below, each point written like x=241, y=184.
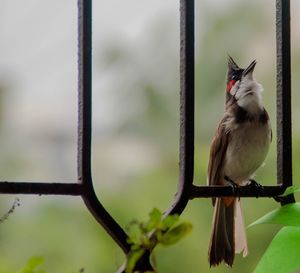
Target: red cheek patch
x=229, y=85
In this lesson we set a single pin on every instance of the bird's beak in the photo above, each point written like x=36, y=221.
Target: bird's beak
x=249, y=69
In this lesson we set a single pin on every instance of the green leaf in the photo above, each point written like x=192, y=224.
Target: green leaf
x=290, y=190
x=132, y=259
x=175, y=234
x=282, y=255
x=35, y=261
x=169, y=221
x=32, y=263
x=288, y=215
x=155, y=215
x=154, y=221
x=145, y=241
x=133, y=231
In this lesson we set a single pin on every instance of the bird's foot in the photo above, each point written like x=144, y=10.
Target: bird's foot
x=233, y=185
x=256, y=186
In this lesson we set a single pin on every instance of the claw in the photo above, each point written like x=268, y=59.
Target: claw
x=258, y=187
x=233, y=185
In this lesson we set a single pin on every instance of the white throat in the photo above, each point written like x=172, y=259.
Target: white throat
x=247, y=93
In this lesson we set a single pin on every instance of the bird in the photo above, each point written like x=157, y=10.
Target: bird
x=239, y=147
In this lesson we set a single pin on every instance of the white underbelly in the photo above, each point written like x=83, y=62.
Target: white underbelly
x=247, y=150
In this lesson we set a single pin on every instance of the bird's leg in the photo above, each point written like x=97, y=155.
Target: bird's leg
x=256, y=186
x=233, y=185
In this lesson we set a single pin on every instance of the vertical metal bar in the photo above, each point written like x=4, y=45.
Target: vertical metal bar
x=187, y=64
x=85, y=126
x=284, y=128
x=186, y=168
x=84, y=90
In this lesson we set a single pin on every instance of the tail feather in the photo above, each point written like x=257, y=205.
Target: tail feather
x=228, y=234
x=240, y=233
x=222, y=239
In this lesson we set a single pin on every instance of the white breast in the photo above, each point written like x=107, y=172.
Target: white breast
x=246, y=151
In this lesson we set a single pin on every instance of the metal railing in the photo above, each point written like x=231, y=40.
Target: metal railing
x=186, y=190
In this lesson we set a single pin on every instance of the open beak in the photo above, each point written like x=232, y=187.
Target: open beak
x=249, y=69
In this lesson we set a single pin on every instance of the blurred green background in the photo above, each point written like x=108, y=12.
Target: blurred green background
x=135, y=123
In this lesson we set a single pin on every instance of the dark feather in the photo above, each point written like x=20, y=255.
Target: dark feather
x=217, y=155
x=222, y=245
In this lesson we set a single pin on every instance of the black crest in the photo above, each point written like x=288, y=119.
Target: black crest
x=233, y=69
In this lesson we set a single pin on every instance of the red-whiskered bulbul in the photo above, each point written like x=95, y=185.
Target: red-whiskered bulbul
x=238, y=149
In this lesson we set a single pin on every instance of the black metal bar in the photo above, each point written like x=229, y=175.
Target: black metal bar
x=186, y=189
x=85, y=91
x=106, y=220
x=85, y=126
x=187, y=64
x=246, y=191
x=284, y=127
x=186, y=157
x=40, y=188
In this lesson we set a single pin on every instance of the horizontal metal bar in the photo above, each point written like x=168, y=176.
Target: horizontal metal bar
x=41, y=188
x=245, y=191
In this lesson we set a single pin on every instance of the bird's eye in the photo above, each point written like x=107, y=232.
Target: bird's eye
x=233, y=77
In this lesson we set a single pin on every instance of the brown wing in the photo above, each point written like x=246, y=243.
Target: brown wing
x=217, y=154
